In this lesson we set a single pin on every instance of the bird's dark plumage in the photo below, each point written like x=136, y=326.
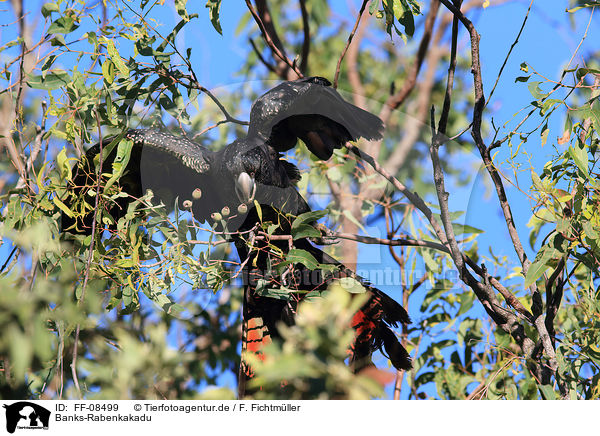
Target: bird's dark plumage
x=252, y=169
x=309, y=109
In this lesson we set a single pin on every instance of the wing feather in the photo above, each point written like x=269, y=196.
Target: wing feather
x=171, y=166
x=309, y=109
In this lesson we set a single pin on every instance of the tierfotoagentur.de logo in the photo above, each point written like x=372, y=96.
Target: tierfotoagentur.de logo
x=26, y=415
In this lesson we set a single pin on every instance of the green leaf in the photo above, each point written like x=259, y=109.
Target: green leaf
x=181, y=9
x=334, y=174
x=120, y=162
x=53, y=79
x=537, y=182
x=297, y=255
x=404, y=15
x=547, y=392
x=48, y=8
x=350, y=284
x=536, y=91
x=308, y=217
x=165, y=303
x=63, y=164
x=461, y=229
x=108, y=71
x=63, y=207
x=539, y=265
x=373, y=6
x=281, y=293
x=167, y=104
x=115, y=57
x=305, y=231
x=589, y=230
x=591, y=4
x=587, y=111
x=595, y=115
x=544, y=134
x=64, y=24
x=48, y=63
x=258, y=210
x=214, y=7
x=21, y=351
x=580, y=157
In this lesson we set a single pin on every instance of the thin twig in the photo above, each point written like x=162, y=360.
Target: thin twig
x=396, y=100
x=10, y=255
x=339, y=62
x=514, y=44
x=193, y=83
x=90, y=254
x=436, y=142
x=306, y=36
x=269, y=39
x=396, y=242
x=554, y=298
x=269, y=66
x=478, y=108
x=449, y=82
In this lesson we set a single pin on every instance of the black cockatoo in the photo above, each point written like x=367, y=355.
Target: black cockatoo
x=250, y=171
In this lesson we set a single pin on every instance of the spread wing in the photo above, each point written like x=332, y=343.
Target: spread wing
x=311, y=110
x=171, y=166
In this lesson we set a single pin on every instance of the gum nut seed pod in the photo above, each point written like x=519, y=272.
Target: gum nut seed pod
x=216, y=216
x=187, y=204
x=225, y=211
x=197, y=194
x=242, y=208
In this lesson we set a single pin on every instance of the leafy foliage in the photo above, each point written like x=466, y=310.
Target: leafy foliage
x=149, y=307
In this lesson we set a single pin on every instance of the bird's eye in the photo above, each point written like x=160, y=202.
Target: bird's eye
x=252, y=174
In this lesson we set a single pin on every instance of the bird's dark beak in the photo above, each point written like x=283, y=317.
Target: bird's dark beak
x=245, y=188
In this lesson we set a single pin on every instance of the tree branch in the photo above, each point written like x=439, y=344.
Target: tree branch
x=396, y=100
x=339, y=62
x=478, y=108
x=516, y=41
x=306, y=40
x=269, y=66
x=272, y=39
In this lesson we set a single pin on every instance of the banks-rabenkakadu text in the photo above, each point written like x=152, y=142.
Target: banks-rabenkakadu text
x=233, y=407
x=91, y=417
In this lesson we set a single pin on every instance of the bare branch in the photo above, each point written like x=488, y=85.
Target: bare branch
x=509, y=52
x=396, y=100
x=271, y=38
x=261, y=58
x=358, y=90
x=477, y=137
x=90, y=255
x=554, y=298
x=339, y=63
x=478, y=108
x=306, y=40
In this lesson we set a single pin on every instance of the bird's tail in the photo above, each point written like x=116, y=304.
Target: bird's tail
x=255, y=336
x=373, y=324
x=374, y=320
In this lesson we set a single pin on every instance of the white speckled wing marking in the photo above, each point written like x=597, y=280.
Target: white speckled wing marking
x=191, y=154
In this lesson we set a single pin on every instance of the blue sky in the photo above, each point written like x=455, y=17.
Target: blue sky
x=547, y=44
